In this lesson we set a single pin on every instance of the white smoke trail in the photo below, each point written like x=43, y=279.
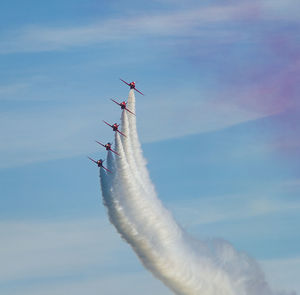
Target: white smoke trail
x=186, y=266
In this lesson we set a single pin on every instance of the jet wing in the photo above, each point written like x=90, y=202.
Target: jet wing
x=107, y=124
x=121, y=133
x=125, y=82
x=106, y=169
x=109, y=149
x=138, y=91
x=115, y=152
x=100, y=143
x=93, y=160
x=116, y=102
x=130, y=111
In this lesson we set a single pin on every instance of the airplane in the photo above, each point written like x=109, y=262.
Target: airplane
x=115, y=127
x=108, y=147
x=100, y=164
x=123, y=106
x=132, y=86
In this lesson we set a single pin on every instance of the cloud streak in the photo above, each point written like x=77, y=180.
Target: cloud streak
x=32, y=250
x=33, y=135
x=186, y=23
x=235, y=207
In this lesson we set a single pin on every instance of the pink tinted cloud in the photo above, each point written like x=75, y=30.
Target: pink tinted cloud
x=271, y=93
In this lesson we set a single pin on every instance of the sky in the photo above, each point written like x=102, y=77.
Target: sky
x=219, y=124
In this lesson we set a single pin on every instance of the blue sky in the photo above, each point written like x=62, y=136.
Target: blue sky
x=219, y=125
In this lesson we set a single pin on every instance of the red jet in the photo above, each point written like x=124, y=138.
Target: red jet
x=108, y=147
x=123, y=106
x=115, y=127
x=132, y=86
x=100, y=164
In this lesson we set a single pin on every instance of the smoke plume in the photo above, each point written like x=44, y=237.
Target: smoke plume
x=187, y=266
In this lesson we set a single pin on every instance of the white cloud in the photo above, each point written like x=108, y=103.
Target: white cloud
x=234, y=207
x=45, y=249
x=126, y=283
x=26, y=89
x=41, y=134
x=68, y=257
x=281, y=10
x=38, y=134
x=7, y=90
x=61, y=251
x=182, y=116
x=179, y=23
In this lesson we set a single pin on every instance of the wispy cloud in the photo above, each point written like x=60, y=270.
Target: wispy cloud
x=83, y=256
x=26, y=88
x=74, y=257
x=134, y=283
x=40, y=134
x=234, y=207
x=36, y=134
x=293, y=183
x=203, y=116
x=10, y=89
x=186, y=23
x=273, y=93
x=281, y=10
x=38, y=249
